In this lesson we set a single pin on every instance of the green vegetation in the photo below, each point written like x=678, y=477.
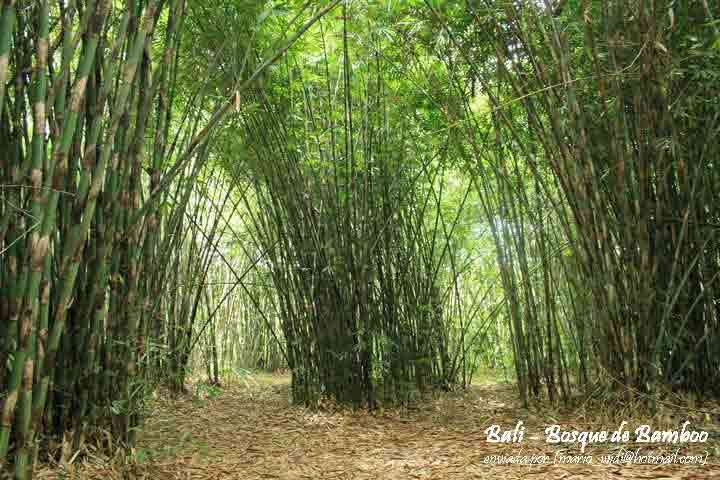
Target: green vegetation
x=383, y=198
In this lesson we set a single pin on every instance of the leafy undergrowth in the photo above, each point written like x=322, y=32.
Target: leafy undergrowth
x=247, y=430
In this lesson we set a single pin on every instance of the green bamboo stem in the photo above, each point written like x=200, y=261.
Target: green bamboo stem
x=7, y=24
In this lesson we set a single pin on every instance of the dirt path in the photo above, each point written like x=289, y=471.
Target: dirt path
x=250, y=432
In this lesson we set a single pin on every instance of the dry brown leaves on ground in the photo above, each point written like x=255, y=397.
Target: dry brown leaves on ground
x=249, y=432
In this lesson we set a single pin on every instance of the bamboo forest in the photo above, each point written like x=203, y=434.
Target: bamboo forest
x=359, y=239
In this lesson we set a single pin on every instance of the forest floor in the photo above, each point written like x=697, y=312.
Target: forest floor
x=249, y=431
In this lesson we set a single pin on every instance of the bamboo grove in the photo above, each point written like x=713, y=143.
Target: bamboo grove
x=598, y=138
x=383, y=198
x=104, y=171
x=350, y=255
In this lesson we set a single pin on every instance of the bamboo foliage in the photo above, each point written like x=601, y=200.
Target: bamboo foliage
x=595, y=100
x=65, y=201
x=94, y=212
x=354, y=236
x=580, y=132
